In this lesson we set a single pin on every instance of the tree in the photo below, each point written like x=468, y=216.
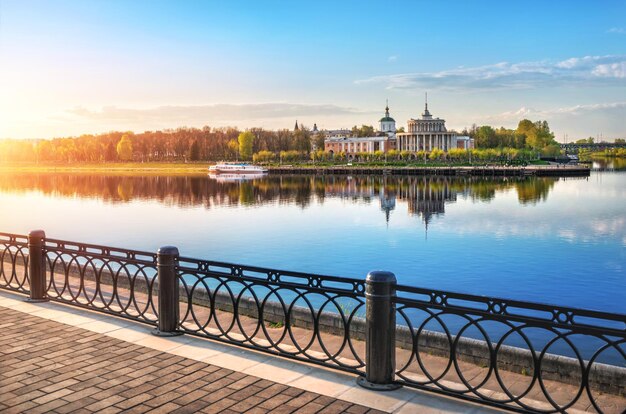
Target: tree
x=537, y=134
x=263, y=156
x=436, y=154
x=125, y=148
x=246, y=141
x=232, y=148
x=318, y=140
x=194, y=151
x=110, y=153
x=364, y=131
x=393, y=154
x=551, y=150
x=620, y=141
x=485, y=137
x=302, y=140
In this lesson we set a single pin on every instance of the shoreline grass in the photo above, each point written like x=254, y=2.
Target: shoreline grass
x=113, y=167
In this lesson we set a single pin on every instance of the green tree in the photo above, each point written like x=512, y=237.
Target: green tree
x=125, y=148
x=436, y=154
x=246, y=142
x=551, y=150
x=263, y=156
x=486, y=137
x=302, y=140
x=620, y=141
x=393, y=154
x=232, y=148
x=364, y=131
x=538, y=134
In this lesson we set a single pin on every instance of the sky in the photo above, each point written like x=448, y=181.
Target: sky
x=75, y=67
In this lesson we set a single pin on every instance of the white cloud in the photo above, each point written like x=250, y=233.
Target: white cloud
x=220, y=113
x=613, y=70
x=617, y=30
x=578, y=121
x=267, y=115
x=525, y=112
x=575, y=71
x=392, y=58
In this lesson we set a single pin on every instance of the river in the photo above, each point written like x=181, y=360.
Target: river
x=554, y=240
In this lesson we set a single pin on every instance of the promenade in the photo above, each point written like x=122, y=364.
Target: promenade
x=58, y=358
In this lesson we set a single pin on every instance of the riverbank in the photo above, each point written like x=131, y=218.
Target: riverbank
x=157, y=168
x=113, y=167
x=532, y=170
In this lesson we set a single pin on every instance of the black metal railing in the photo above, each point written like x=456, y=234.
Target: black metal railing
x=516, y=355
x=524, y=349
x=14, y=262
x=117, y=281
x=303, y=316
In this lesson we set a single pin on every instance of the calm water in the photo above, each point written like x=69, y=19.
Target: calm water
x=561, y=241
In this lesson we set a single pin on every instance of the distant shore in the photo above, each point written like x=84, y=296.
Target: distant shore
x=110, y=167
x=183, y=168
x=482, y=170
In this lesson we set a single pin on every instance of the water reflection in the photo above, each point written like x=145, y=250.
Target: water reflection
x=425, y=196
x=609, y=164
x=553, y=240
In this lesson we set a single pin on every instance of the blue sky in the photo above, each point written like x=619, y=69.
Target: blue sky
x=72, y=67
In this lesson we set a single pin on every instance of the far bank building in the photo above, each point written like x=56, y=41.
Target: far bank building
x=384, y=141
x=426, y=134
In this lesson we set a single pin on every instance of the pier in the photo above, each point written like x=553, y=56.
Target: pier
x=483, y=171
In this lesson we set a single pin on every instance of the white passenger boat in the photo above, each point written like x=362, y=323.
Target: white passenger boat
x=236, y=168
x=234, y=178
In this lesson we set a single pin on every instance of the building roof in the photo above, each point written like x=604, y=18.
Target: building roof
x=357, y=139
x=387, y=118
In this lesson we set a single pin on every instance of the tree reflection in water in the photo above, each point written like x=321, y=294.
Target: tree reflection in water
x=426, y=195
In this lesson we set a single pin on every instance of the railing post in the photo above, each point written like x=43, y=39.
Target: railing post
x=167, y=258
x=380, y=332
x=37, y=266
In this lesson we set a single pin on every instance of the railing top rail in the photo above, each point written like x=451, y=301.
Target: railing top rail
x=13, y=238
x=335, y=284
x=96, y=250
x=510, y=309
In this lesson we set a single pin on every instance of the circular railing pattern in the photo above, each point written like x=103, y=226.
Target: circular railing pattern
x=487, y=355
x=96, y=280
x=14, y=262
x=298, y=318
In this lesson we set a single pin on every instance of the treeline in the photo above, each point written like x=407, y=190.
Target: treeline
x=454, y=155
x=213, y=144
x=182, y=144
x=527, y=135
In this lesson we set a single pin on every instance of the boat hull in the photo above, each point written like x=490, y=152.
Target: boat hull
x=236, y=169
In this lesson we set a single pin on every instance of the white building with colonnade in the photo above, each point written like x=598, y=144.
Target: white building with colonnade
x=426, y=134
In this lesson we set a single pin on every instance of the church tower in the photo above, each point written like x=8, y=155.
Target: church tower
x=387, y=123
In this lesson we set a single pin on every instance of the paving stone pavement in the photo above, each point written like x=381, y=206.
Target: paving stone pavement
x=47, y=366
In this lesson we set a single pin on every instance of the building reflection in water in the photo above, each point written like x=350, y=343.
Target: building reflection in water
x=425, y=197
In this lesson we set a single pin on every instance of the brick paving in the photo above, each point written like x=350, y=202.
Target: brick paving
x=46, y=366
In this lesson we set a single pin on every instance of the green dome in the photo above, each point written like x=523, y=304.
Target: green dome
x=387, y=119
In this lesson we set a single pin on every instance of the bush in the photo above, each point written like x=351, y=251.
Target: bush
x=264, y=156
